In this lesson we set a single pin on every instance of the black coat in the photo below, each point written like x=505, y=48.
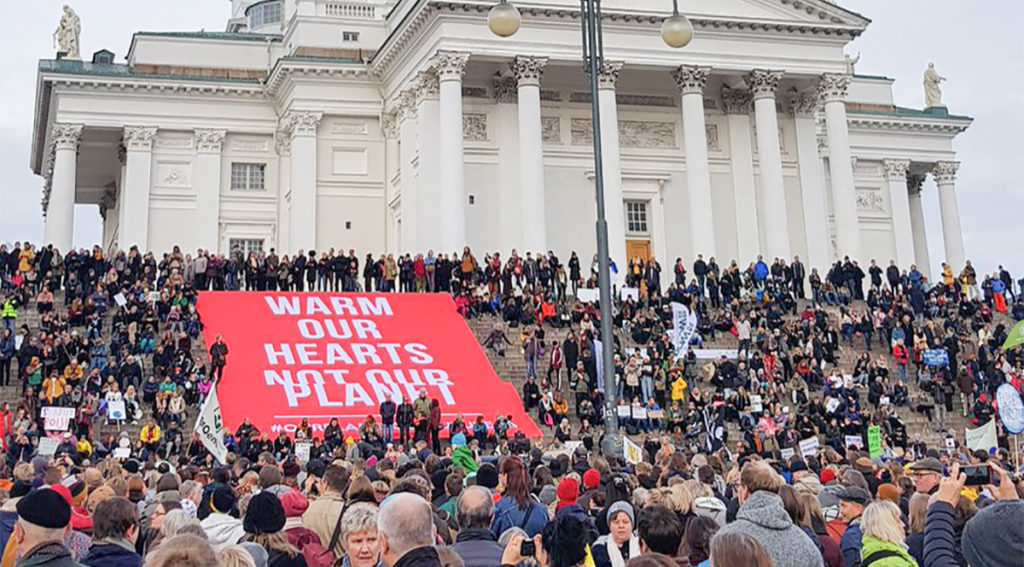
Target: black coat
x=111, y=555
x=420, y=557
x=478, y=548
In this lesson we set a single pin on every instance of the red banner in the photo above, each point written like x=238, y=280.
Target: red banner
x=324, y=355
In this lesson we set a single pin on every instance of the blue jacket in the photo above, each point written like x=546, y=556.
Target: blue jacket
x=111, y=555
x=941, y=542
x=849, y=545
x=507, y=514
x=760, y=270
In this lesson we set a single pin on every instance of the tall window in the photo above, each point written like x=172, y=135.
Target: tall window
x=248, y=176
x=246, y=245
x=636, y=217
x=264, y=13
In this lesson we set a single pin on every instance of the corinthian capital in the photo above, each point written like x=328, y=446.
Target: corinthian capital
x=139, y=138
x=832, y=87
x=427, y=86
x=302, y=123
x=449, y=65
x=735, y=101
x=896, y=169
x=690, y=78
x=945, y=172
x=389, y=126
x=505, y=88
x=608, y=75
x=209, y=141
x=803, y=105
x=528, y=71
x=66, y=136
x=763, y=83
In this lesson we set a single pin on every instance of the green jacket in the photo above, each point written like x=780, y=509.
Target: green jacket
x=870, y=545
x=50, y=554
x=9, y=311
x=463, y=457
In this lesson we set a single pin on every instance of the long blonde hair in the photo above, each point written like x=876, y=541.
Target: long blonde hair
x=881, y=520
x=275, y=541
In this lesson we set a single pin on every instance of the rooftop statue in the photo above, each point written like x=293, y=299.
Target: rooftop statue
x=66, y=36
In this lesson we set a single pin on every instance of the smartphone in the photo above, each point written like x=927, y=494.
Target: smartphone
x=978, y=475
x=527, y=548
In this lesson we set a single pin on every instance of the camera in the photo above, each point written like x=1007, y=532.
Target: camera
x=527, y=548
x=978, y=475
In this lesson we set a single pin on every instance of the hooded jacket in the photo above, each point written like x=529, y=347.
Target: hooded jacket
x=222, y=530
x=710, y=507
x=112, y=553
x=872, y=545
x=764, y=517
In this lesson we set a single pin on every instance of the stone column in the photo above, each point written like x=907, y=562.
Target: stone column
x=138, y=141
x=763, y=84
x=945, y=177
x=408, y=235
x=736, y=103
x=426, y=202
x=921, y=258
x=302, y=125
x=389, y=129
x=832, y=90
x=691, y=80
x=450, y=66
x=528, y=72
x=60, y=208
x=902, y=226
x=509, y=167
x=206, y=182
x=283, y=147
x=812, y=191
x=612, y=165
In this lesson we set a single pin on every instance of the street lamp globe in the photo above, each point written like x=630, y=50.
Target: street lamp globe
x=677, y=31
x=503, y=19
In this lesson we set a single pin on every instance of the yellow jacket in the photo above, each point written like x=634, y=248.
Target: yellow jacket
x=53, y=388
x=678, y=389
x=150, y=434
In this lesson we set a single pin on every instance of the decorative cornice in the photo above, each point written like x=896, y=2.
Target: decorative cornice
x=691, y=78
x=896, y=169
x=803, y=104
x=139, y=138
x=302, y=123
x=506, y=89
x=736, y=101
x=833, y=87
x=945, y=172
x=151, y=85
x=209, y=141
x=449, y=65
x=389, y=126
x=763, y=83
x=608, y=75
x=286, y=70
x=528, y=71
x=882, y=122
x=66, y=136
x=427, y=86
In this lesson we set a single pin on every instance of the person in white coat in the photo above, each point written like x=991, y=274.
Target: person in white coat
x=222, y=529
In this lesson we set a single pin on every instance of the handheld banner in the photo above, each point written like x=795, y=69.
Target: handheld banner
x=319, y=356
x=1011, y=409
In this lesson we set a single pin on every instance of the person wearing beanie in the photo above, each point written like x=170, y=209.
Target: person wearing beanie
x=77, y=541
x=81, y=520
x=44, y=520
x=295, y=505
x=591, y=479
x=568, y=491
x=222, y=529
x=888, y=491
x=620, y=544
x=264, y=524
x=487, y=476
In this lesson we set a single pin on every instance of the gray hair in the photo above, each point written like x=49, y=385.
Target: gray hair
x=188, y=488
x=475, y=508
x=407, y=522
x=174, y=521
x=882, y=520
x=359, y=517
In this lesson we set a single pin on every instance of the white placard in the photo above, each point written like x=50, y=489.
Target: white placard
x=854, y=441
x=624, y=411
x=120, y=300
x=47, y=446
x=587, y=295
x=716, y=353
x=633, y=453
x=884, y=400
x=630, y=292
x=115, y=410
x=302, y=452
x=153, y=296
x=756, y=404
x=18, y=340
x=950, y=444
x=57, y=418
x=788, y=453
x=832, y=405
x=639, y=413
x=122, y=453
x=571, y=445
x=809, y=446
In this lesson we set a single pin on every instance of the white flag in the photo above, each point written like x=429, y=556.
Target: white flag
x=210, y=427
x=983, y=437
x=631, y=451
x=684, y=325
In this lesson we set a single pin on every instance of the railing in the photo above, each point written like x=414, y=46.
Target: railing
x=348, y=10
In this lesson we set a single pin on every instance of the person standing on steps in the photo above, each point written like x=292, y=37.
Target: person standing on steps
x=218, y=358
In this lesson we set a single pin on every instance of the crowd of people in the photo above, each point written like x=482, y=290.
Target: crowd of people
x=815, y=355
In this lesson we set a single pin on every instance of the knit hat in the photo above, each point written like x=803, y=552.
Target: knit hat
x=487, y=476
x=79, y=493
x=547, y=495
x=993, y=536
x=568, y=490
x=827, y=476
x=223, y=499
x=797, y=465
x=45, y=508
x=130, y=466
x=265, y=514
x=294, y=503
x=20, y=488
x=888, y=491
x=591, y=479
x=316, y=467
x=621, y=506
x=458, y=440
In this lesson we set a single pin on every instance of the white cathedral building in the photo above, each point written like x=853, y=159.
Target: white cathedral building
x=406, y=125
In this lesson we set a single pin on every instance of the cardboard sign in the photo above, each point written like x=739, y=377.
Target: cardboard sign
x=302, y=452
x=853, y=441
x=656, y=414
x=120, y=300
x=47, y=446
x=639, y=412
x=624, y=411
x=832, y=405
x=756, y=404
x=122, y=453
x=874, y=441
x=631, y=451
x=809, y=447
x=116, y=410
x=57, y=418
x=788, y=453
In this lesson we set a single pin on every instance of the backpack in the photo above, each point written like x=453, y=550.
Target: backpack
x=878, y=556
x=315, y=554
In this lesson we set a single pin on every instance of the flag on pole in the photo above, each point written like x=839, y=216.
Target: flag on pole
x=684, y=325
x=631, y=451
x=210, y=427
x=1016, y=336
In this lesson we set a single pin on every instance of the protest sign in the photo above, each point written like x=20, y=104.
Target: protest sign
x=874, y=441
x=47, y=446
x=809, y=447
x=57, y=418
x=631, y=451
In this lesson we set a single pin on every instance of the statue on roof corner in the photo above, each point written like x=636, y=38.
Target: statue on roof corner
x=851, y=62
x=932, y=92
x=66, y=36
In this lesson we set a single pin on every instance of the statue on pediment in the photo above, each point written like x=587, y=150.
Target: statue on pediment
x=66, y=36
x=932, y=92
x=851, y=63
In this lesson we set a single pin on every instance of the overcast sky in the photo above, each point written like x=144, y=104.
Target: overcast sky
x=980, y=51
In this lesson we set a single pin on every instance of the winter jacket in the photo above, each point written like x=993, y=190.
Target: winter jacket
x=222, y=530
x=872, y=545
x=50, y=554
x=478, y=548
x=507, y=514
x=8, y=517
x=282, y=559
x=420, y=557
x=112, y=553
x=849, y=545
x=763, y=517
x=941, y=544
x=607, y=554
